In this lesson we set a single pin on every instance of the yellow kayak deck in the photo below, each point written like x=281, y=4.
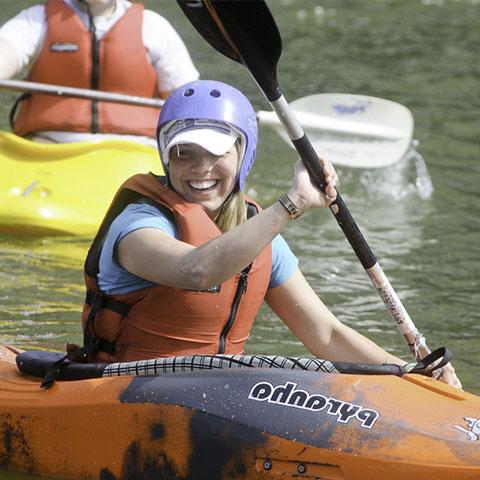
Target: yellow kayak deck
x=64, y=189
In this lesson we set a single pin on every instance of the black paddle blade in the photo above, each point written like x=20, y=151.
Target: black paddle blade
x=201, y=19
x=243, y=30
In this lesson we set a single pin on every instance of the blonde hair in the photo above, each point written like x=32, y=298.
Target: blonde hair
x=233, y=212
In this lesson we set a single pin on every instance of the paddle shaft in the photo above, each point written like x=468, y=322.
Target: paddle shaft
x=34, y=87
x=247, y=33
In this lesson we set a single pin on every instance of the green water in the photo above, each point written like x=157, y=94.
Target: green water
x=421, y=217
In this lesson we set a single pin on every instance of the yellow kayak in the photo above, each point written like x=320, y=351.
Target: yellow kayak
x=64, y=189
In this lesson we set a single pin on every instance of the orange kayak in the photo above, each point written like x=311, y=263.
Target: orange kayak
x=169, y=421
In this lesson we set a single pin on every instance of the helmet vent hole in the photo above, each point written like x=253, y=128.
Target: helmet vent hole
x=215, y=93
x=188, y=92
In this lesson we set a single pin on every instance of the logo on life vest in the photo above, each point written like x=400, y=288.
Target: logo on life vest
x=63, y=47
x=289, y=396
x=472, y=430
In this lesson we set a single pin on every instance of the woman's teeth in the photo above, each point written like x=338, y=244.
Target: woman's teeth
x=202, y=184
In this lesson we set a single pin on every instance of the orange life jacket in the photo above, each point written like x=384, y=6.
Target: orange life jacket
x=117, y=63
x=161, y=320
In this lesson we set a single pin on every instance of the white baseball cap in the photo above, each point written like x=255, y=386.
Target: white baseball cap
x=217, y=138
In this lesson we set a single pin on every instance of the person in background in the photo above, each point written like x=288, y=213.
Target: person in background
x=109, y=45
x=182, y=263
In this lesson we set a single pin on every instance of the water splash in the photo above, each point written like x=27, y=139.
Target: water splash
x=423, y=181
x=405, y=179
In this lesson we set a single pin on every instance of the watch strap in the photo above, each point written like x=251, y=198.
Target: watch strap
x=290, y=207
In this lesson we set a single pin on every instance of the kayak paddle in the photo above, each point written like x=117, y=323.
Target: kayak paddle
x=352, y=130
x=246, y=32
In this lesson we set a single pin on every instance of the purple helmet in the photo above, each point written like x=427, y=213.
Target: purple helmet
x=215, y=106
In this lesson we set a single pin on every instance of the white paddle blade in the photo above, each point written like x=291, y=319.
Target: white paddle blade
x=351, y=130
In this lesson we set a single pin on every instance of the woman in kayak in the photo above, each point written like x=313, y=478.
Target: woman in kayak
x=109, y=45
x=182, y=263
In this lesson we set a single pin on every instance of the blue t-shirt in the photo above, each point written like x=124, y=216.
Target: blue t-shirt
x=114, y=279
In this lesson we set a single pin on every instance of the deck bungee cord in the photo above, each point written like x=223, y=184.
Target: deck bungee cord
x=39, y=363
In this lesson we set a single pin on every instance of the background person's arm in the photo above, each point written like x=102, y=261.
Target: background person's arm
x=168, y=53
x=21, y=39
x=9, y=64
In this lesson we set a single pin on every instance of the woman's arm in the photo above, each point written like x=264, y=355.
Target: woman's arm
x=156, y=256
x=318, y=329
x=323, y=335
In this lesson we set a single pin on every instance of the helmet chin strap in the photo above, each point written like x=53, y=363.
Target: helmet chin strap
x=240, y=145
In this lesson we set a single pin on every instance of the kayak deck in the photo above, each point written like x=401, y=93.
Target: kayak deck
x=64, y=189
x=229, y=424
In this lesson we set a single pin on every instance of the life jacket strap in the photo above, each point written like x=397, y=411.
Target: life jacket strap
x=98, y=301
x=92, y=343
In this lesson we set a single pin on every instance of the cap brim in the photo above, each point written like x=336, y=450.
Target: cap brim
x=215, y=141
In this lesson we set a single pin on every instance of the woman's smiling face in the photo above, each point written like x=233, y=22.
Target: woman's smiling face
x=202, y=177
